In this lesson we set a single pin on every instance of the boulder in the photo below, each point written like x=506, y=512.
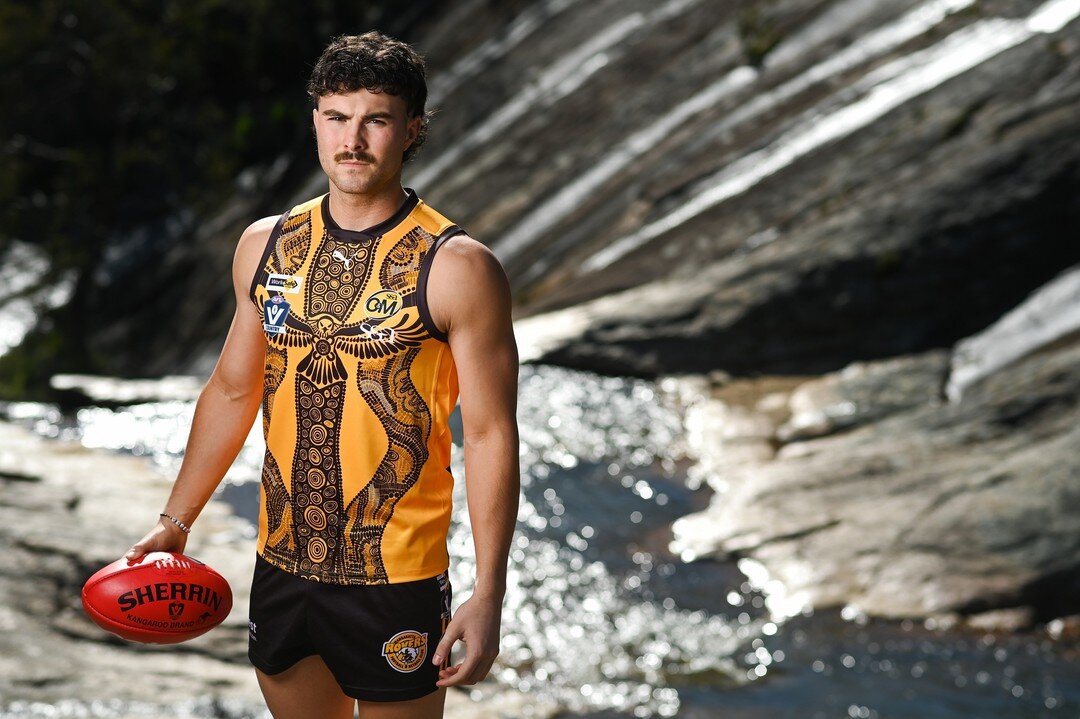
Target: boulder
x=879, y=493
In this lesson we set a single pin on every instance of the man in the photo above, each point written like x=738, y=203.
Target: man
x=362, y=316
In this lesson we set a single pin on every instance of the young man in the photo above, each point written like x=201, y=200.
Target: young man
x=362, y=316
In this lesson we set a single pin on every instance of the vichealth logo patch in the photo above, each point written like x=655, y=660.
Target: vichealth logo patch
x=275, y=310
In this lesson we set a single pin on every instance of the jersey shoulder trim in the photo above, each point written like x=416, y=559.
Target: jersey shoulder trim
x=271, y=241
x=260, y=269
x=422, y=282
x=430, y=219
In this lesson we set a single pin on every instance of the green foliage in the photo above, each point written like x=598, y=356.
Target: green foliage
x=759, y=33
x=141, y=103
x=118, y=114
x=25, y=372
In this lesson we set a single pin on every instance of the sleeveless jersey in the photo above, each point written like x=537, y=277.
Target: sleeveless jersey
x=358, y=389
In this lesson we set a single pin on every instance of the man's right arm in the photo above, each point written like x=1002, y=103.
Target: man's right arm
x=226, y=408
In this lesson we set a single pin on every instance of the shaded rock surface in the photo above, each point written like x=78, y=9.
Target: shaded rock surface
x=865, y=191
x=1049, y=316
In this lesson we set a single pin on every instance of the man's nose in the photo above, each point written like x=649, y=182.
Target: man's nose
x=355, y=137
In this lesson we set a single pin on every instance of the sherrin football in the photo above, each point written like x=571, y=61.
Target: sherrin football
x=164, y=598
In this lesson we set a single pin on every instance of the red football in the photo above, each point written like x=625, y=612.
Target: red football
x=164, y=598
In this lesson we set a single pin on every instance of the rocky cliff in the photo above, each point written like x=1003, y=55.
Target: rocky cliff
x=866, y=209
x=758, y=187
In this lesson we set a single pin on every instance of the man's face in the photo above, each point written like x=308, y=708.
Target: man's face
x=361, y=137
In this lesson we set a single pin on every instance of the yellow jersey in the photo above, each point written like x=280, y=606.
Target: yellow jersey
x=358, y=388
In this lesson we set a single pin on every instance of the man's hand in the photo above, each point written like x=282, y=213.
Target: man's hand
x=476, y=623
x=164, y=537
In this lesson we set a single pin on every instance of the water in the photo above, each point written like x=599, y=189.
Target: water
x=603, y=620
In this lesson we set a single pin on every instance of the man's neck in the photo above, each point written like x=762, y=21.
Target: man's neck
x=360, y=211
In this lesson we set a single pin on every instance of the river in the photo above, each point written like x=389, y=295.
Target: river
x=603, y=620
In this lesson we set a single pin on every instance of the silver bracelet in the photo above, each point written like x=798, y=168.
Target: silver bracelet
x=177, y=522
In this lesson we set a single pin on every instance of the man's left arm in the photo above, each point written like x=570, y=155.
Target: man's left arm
x=470, y=293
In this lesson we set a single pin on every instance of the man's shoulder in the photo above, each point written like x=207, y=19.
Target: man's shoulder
x=427, y=218
x=250, y=248
x=462, y=253
x=257, y=233
x=463, y=261
x=260, y=229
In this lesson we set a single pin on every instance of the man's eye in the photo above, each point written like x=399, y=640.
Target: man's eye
x=376, y=120
x=336, y=117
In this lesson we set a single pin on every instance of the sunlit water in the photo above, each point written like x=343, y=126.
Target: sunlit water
x=603, y=620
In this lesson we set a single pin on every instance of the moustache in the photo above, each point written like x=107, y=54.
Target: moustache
x=356, y=156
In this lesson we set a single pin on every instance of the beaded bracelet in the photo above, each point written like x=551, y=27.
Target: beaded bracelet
x=177, y=522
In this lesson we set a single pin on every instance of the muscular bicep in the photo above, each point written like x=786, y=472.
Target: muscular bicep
x=472, y=289
x=239, y=369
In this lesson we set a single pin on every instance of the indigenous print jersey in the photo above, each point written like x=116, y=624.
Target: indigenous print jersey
x=358, y=388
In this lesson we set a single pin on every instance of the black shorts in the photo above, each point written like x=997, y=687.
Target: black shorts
x=377, y=639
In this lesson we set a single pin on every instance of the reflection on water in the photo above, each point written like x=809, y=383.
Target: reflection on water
x=603, y=620
x=594, y=613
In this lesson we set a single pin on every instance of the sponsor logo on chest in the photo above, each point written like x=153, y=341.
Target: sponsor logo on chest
x=284, y=283
x=382, y=304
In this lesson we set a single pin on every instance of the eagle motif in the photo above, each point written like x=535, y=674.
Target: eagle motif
x=365, y=339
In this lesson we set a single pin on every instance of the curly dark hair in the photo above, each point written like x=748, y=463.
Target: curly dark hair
x=377, y=63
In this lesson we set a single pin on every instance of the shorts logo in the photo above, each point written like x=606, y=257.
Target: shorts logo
x=275, y=310
x=382, y=304
x=406, y=650
x=284, y=283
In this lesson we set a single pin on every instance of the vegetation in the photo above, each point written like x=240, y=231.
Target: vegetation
x=759, y=34
x=119, y=115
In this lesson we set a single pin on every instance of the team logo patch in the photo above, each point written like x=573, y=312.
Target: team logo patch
x=406, y=650
x=284, y=283
x=275, y=310
x=383, y=304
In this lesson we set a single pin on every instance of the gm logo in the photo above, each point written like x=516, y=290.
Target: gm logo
x=382, y=304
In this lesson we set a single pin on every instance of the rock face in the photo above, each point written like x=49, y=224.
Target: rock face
x=1051, y=315
x=888, y=178
x=64, y=513
x=866, y=487
x=759, y=187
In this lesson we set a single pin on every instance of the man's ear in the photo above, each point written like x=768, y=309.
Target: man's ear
x=413, y=130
